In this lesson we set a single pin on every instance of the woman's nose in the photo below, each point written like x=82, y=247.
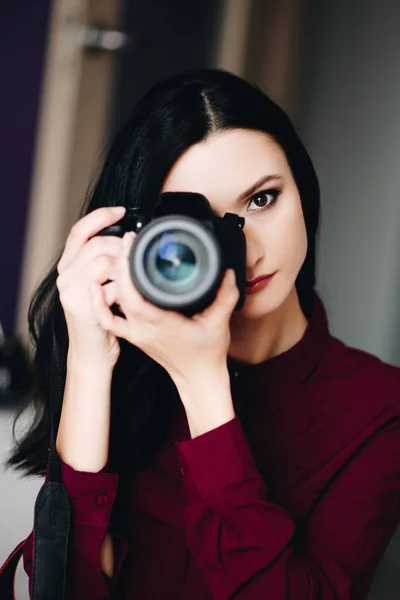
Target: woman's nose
x=255, y=250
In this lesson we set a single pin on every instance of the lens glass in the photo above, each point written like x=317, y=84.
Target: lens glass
x=174, y=261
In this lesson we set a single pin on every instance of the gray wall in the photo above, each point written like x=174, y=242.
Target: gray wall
x=351, y=125
x=17, y=498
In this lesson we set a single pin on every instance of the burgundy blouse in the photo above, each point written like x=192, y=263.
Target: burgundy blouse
x=298, y=499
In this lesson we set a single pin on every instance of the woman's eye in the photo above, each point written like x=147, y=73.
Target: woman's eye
x=264, y=200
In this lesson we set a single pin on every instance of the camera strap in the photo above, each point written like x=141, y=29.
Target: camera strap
x=52, y=515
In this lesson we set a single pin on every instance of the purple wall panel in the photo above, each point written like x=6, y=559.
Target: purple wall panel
x=23, y=38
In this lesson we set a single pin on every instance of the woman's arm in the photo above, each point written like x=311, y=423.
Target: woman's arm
x=248, y=548
x=83, y=445
x=84, y=430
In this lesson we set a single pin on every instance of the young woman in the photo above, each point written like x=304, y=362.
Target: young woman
x=234, y=454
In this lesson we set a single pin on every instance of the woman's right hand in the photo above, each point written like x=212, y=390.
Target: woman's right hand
x=87, y=260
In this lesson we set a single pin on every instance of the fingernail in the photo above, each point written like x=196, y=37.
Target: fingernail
x=118, y=210
x=232, y=276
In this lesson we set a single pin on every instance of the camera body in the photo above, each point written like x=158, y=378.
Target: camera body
x=182, y=251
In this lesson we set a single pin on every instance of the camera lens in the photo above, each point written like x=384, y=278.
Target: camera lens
x=175, y=259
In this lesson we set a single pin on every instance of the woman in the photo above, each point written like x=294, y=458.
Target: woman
x=235, y=454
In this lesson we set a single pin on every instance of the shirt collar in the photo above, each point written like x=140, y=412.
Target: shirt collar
x=281, y=375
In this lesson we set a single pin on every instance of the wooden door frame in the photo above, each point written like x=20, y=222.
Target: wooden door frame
x=264, y=41
x=72, y=126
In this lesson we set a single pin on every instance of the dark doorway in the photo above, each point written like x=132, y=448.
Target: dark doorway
x=167, y=37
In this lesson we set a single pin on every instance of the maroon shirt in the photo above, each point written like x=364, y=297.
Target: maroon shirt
x=297, y=500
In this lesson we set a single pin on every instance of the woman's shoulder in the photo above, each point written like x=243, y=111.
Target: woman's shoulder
x=341, y=357
x=360, y=375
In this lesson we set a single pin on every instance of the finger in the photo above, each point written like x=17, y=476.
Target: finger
x=98, y=245
x=105, y=318
x=86, y=228
x=225, y=301
x=110, y=293
x=101, y=269
x=107, y=247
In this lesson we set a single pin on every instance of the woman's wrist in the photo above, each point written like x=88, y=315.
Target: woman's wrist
x=82, y=363
x=207, y=400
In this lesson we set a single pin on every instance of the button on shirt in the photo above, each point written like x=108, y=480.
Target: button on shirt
x=298, y=498
x=102, y=499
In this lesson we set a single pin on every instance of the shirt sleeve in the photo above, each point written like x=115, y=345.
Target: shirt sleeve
x=92, y=496
x=248, y=547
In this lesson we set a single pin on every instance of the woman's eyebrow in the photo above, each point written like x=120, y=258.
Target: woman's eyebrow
x=257, y=184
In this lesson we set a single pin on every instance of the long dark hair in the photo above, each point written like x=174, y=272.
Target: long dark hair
x=171, y=117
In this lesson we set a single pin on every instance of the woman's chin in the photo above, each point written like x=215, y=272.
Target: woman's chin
x=264, y=302
x=257, y=306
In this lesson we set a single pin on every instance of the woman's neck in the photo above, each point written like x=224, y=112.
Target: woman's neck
x=254, y=341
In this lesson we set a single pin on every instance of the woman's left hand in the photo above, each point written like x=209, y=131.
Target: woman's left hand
x=189, y=348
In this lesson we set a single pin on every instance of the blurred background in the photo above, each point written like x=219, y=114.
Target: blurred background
x=71, y=70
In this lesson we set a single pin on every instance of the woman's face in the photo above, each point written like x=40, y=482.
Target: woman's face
x=247, y=173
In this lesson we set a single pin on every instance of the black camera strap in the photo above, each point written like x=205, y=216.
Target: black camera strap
x=52, y=515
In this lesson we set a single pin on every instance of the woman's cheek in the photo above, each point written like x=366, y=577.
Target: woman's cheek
x=290, y=242
x=299, y=245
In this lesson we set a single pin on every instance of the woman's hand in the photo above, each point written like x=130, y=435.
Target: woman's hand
x=89, y=260
x=188, y=348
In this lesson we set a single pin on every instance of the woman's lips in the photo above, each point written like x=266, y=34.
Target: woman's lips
x=257, y=284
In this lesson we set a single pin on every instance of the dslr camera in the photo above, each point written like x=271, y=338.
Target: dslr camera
x=182, y=251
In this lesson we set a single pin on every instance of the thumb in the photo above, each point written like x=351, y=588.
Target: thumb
x=226, y=299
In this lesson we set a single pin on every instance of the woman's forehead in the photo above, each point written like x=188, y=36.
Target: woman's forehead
x=226, y=164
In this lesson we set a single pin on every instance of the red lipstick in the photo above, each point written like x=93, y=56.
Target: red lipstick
x=258, y=283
